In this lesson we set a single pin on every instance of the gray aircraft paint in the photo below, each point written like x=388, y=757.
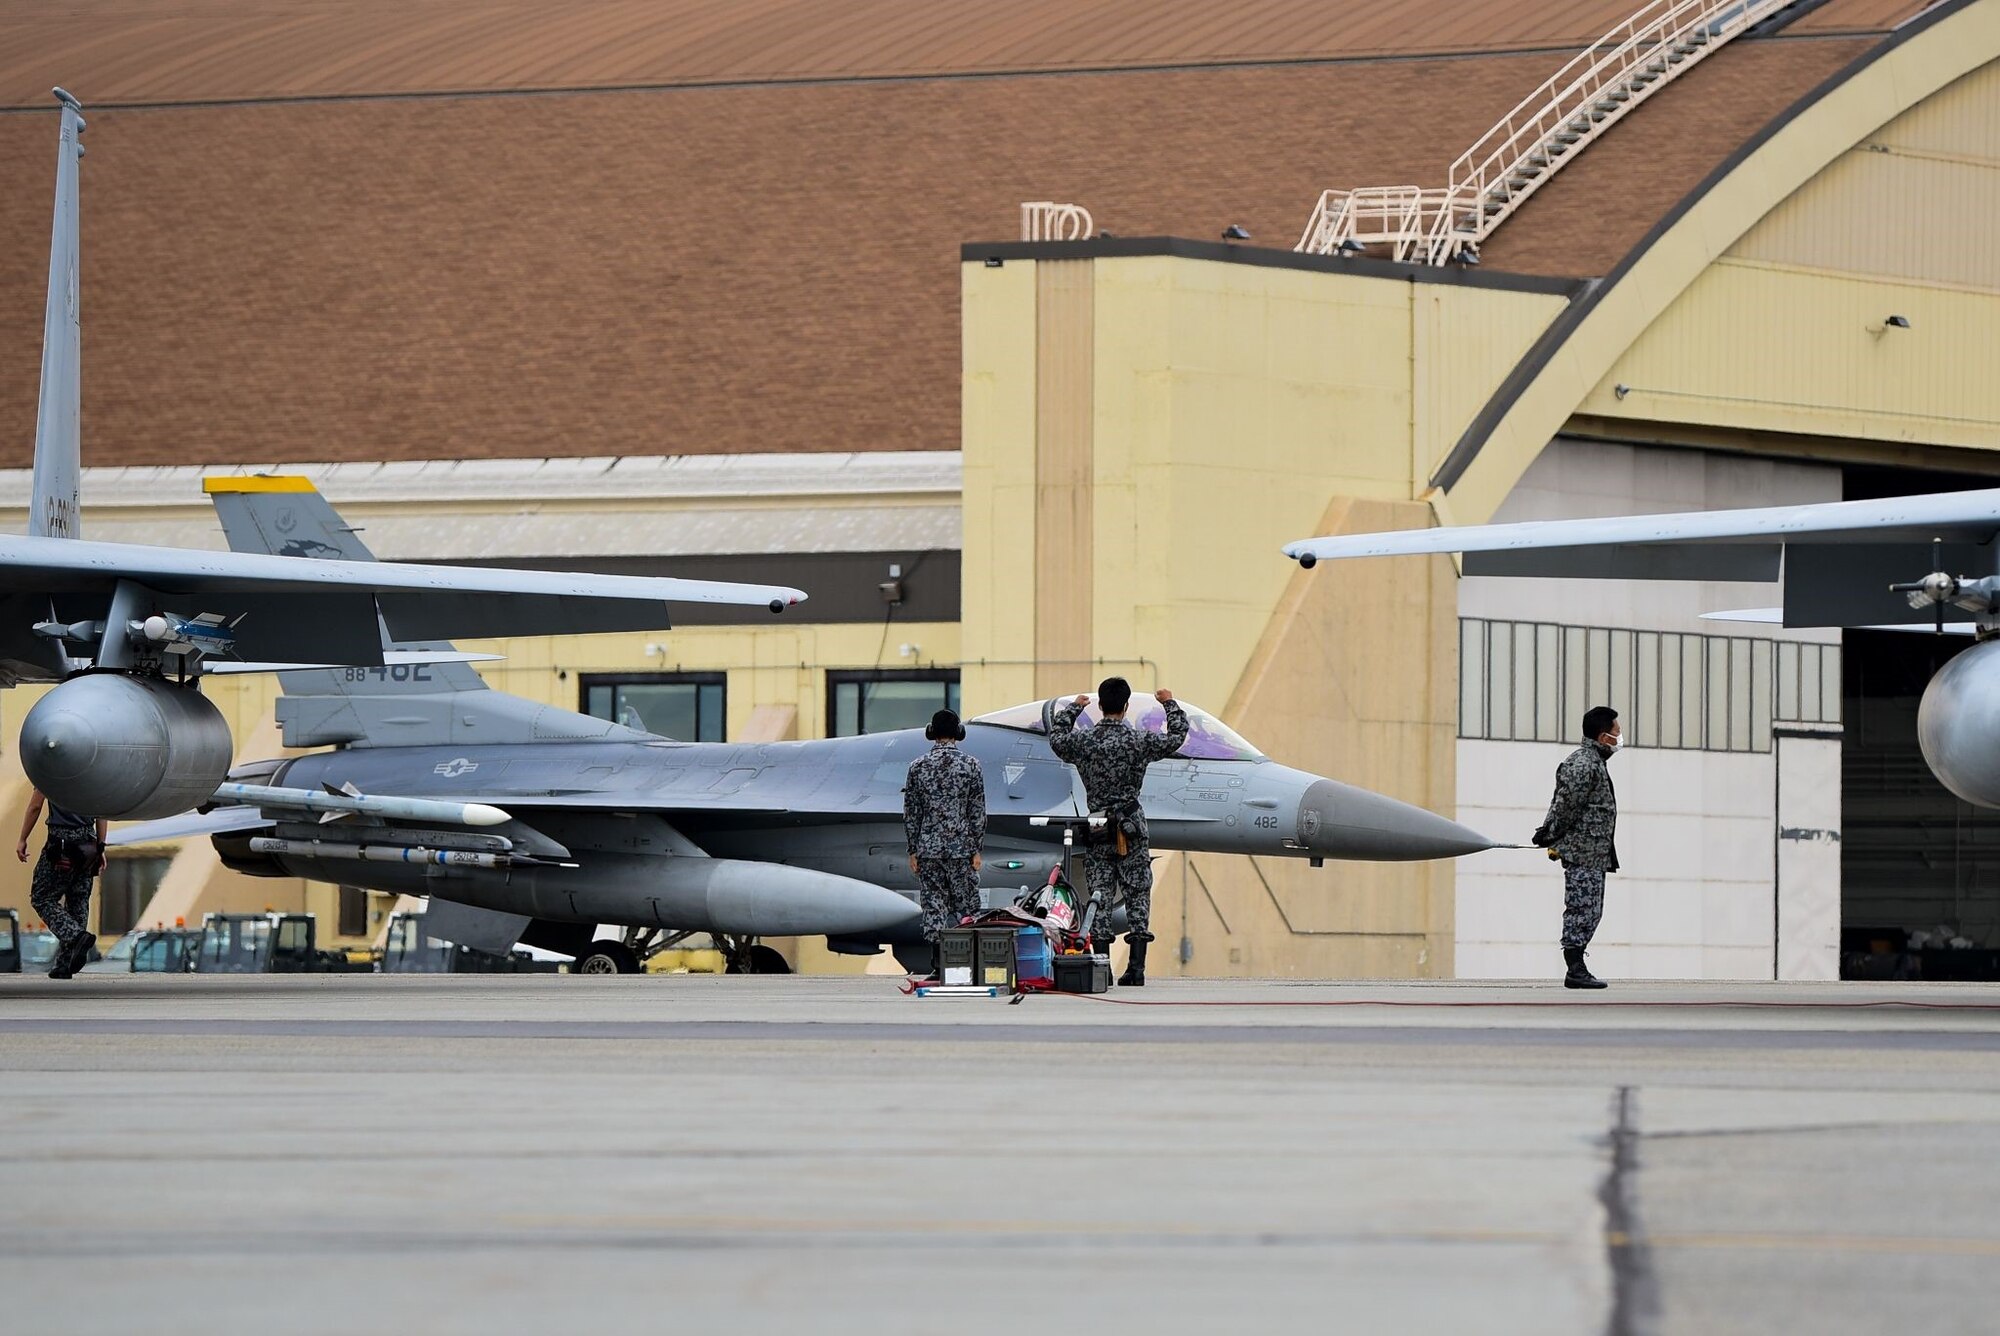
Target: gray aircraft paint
x=652, y=825
x=58, y=432
x=779, y=838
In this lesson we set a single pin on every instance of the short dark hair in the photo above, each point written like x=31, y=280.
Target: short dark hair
x=944, y=724
x=1598, y=719
x=1113, y=695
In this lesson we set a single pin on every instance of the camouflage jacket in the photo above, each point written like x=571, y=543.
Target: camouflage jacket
x=1112, y=758
x=1583, y=814
x=944, y=803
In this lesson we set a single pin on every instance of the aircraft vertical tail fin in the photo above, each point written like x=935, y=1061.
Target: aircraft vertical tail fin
x=420, y=704
x=58, y=432
x=287, y=517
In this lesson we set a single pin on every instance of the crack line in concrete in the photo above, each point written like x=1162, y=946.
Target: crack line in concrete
x=1634, y=1298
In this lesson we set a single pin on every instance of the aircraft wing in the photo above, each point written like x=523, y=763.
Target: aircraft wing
x=1836, y=558
x=1966, y=515
x=299, y=609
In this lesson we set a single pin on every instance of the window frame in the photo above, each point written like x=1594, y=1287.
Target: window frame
x=1676, y=690
x=585, y=682
x=839, y=677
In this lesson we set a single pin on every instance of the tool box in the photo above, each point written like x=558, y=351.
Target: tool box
x=958, y=954
x=1083, y=972
x=996, y=957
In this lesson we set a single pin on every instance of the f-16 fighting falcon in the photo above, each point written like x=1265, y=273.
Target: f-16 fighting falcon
x=128, y=631
x=525, y=822
x=1840, y=563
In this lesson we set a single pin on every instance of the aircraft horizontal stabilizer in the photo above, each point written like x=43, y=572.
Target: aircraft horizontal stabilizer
x=221, y=821
x=391, y=658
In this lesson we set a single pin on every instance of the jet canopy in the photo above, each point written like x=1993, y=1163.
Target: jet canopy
x=1209, y=739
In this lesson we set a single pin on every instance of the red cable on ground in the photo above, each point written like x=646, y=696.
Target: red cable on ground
x=1579, y=1004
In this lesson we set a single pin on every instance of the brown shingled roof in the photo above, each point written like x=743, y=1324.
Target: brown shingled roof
x=713, y=269
x=116, y=51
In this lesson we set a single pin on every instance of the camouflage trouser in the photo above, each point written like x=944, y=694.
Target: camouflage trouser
x=1113, y=880
x=1583, y=904
x=61, y=898
x=949, y=892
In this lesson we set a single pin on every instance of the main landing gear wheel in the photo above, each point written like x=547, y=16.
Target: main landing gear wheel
x=606, y=958
x=757, y=959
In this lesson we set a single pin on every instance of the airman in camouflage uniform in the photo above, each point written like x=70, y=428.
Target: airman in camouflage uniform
x=944, y=818
x=1581, y=829
x=60, y=891
x=1111, y=759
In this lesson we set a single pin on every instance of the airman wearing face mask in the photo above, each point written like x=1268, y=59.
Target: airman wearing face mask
x=1581, y=830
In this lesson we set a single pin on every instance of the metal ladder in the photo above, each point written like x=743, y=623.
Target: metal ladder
x=1550, y=126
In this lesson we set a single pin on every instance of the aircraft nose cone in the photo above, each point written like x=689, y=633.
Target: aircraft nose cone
x=1340, y=821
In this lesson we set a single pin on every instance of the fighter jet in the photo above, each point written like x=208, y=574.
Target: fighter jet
x=581, y=821
x=128, y=630
x=1841, y=564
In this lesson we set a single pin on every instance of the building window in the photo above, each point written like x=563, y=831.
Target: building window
x=886, y=699
x=127, y=884
x=687, y=707
x=353, y=912
x=1532, y=681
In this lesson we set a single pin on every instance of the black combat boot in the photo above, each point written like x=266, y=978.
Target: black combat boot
x=1579, y=975
x=1135, y=968
x=72, y=956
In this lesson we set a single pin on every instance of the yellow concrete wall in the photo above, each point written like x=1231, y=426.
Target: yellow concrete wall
x=1775, y=348
x=1926, y=101
x=1355, y=677
x=1064, y=533
x=1786, y=331
x=998, y=436
x=1911, y=201
x=1234, y=407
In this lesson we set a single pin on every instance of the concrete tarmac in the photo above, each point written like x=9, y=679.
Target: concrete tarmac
x=535, y=1153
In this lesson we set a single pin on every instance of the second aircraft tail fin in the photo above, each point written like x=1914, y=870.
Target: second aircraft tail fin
x=58, y=431
x=285, y=516
x=397, y=704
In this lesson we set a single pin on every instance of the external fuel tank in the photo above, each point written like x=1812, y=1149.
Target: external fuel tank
x=127, y=748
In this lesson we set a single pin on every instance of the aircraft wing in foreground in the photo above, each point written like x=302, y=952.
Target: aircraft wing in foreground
x=1910, y=561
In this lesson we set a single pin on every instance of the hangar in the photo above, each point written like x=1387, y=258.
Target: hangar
x=726, y=289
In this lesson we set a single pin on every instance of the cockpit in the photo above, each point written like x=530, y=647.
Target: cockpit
x=1209, y=739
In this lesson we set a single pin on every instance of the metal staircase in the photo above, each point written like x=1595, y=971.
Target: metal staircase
x=1549, y=127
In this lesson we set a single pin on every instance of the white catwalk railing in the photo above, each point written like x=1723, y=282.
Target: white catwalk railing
x=1549, y=127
